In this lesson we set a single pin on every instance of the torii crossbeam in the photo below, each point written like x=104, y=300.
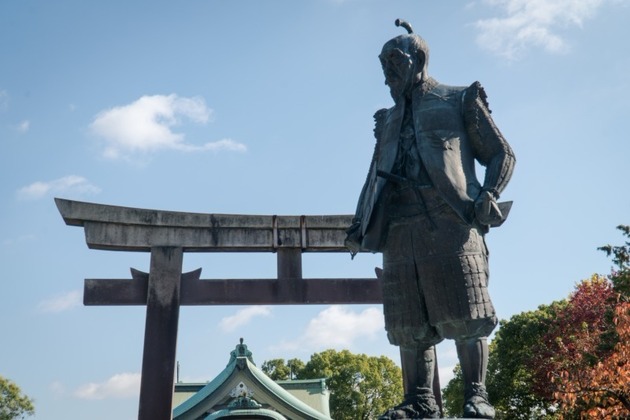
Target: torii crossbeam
x=167, y=235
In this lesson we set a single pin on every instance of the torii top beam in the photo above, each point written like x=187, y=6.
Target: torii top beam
x=131, y=229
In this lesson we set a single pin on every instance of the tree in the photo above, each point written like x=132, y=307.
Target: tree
x=361, y=386
x=601, y=390
x=620, y=276
x=586, y=352
x=575, y=336
x=278, y=370
x=577, y=344
x=592, y=377
x=13, y=404
x=453, y=394
x=509, y=380
x=510, y=377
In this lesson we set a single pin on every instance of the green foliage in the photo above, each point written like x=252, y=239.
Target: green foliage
x=453, y=395
x=296, y=366
x=361, y=386
x=13, y=404
x=510, y=375
x=278, y=370
x=620, y=276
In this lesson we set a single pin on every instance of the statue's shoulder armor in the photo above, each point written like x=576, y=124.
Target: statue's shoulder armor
x=380, y=117
x=446, y=90
x=475, y=96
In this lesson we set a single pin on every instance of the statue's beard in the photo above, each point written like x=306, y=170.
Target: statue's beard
x=401, y=86
x=396, y=92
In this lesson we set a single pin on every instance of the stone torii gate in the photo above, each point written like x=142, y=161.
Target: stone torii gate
x=167, y=235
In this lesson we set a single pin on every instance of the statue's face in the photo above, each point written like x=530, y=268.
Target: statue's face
x=400, y=71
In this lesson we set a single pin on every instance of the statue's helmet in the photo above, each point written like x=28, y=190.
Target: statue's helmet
x=410, y=43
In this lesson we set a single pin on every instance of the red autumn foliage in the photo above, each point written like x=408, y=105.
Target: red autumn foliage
x=583, y=359
x=603, y=390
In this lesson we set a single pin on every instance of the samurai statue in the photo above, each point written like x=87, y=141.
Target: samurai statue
x=424, y=208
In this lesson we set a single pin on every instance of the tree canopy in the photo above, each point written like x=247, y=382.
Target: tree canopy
x=569, y=359
x=598, y=387
x=590, y=343
x=510, y=377
x=279, y=370
x=13, y=404
x=361, y=386
x=581, y=335
x=620, y=276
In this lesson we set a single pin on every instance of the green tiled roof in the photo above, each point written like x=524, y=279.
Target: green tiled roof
x=240, y=414
x=242, y=368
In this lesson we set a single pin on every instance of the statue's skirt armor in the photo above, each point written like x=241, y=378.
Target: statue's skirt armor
x=435, y=274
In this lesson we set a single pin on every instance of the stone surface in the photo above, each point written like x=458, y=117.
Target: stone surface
x=132, y=229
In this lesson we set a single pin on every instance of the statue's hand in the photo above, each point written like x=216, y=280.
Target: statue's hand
x=487, y=211
x=353, y=238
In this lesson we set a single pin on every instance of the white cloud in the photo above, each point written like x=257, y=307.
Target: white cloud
x=121, y=385
x=532, y=23
x=61, y=302
x=338, y=327
x=216, y=146
x=243, y=316
x=24, y=126
x=71, y=184
x=145, y=126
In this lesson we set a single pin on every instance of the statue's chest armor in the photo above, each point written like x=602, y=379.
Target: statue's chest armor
x=434, y=113
x=438, y=132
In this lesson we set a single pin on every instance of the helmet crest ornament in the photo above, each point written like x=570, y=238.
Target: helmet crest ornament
x=404, y=24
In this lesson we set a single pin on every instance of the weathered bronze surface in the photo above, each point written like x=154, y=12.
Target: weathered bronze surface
x=423, y=207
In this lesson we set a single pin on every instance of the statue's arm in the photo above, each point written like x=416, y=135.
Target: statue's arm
x=379, y=122
x=354, y=235
x=489, y=146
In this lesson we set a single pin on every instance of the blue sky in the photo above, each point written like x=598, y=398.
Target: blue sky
x=266, y=108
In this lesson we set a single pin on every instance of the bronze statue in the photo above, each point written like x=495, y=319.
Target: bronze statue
x=423, y=207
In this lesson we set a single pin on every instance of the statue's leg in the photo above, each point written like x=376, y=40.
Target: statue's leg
x=418, y=364
x=407, y=324
x=473, y=358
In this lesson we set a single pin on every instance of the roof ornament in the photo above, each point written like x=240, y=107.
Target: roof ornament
x=241, y=390
x=241, y=352
x=404, y=24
